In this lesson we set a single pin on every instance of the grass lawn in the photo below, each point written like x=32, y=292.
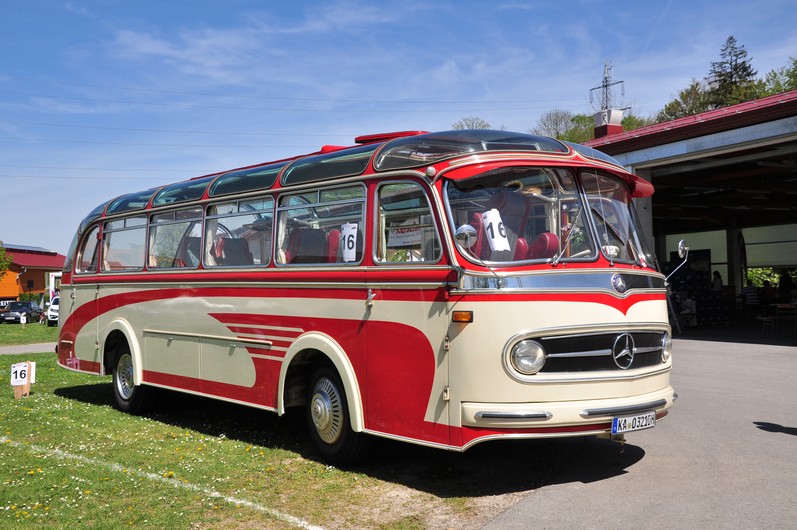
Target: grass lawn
x=13, y=334
x=68, y=458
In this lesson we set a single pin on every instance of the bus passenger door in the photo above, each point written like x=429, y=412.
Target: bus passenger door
x=77, y=348
x=407, y=362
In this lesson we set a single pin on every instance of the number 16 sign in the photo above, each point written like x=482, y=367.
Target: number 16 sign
x=22, y=376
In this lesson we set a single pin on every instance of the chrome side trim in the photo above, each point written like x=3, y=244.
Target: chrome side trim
x=485, y=415
x=555, y=281
x=628, y=409
x=259, y=342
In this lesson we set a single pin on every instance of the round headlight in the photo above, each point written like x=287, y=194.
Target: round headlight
x=527, y=357
x=666, y=347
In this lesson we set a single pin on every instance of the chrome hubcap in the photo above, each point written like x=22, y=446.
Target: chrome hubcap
x=124, y=377
x=326, y=411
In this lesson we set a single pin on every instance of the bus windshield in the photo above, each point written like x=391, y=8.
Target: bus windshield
x=526, y=214
x=619, y=234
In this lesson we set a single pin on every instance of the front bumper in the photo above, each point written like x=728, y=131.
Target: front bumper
x=561, y=417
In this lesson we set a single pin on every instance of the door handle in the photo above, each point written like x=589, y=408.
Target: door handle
x=369, y=302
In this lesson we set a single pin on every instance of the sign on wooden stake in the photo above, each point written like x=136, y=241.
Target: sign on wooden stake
x=22, y=376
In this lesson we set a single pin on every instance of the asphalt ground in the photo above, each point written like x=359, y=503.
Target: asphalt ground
x=725, y=456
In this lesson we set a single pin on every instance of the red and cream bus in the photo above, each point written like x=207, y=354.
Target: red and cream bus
x=438, y=288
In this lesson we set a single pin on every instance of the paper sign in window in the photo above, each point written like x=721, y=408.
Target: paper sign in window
x=494, y=230
x=348, y=241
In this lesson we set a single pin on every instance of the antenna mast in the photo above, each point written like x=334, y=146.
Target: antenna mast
x=606, y=88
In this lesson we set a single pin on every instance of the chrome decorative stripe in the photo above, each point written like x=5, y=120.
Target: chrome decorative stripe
x=563, y=281
x=648, y=349
x=592, y=353
x=628, y=409
x=484, y=415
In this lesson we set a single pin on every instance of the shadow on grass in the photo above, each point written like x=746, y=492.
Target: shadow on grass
x=492, y=468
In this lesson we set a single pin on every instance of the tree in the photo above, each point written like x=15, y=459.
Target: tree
x=582, y=130
x=471, y=122
x=5, y=261
x=732, y=79
x=632, y=121
x=564, y=125
x=780, y=80
x=694, y=99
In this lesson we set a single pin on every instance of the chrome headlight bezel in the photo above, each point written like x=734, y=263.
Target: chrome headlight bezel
x=525, y=358
x=666, y=347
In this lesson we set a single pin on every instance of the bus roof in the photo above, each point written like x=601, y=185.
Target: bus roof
x=384, y=152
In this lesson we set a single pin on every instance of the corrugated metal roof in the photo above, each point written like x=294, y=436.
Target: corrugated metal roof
x=35, y=257
x=741, y=115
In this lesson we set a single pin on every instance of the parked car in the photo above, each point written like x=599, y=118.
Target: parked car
x=15, y=310
x=52, y=312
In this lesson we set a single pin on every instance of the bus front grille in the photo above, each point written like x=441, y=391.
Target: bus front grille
x=602, y=352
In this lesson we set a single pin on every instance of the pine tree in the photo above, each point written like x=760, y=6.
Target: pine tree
x=732, y=78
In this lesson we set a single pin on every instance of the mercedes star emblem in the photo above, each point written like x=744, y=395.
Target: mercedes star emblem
x=623, y=351
x=619, y=283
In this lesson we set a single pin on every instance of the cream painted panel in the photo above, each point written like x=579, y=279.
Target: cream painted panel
x=476, y=362
x=175, y=355
x=226, y=361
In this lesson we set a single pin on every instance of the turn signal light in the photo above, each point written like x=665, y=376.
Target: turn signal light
x=463, y=317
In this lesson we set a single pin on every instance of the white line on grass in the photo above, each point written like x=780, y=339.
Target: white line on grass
x=64, y=455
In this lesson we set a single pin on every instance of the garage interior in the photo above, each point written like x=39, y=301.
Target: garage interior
x=726, y=182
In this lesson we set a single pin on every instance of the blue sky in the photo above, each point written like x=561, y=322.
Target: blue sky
x=104, y=97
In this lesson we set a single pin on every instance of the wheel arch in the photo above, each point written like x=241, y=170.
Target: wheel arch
x=307, y=353
x=116, y=332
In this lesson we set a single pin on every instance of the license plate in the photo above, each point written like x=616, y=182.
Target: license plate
x=636, y=422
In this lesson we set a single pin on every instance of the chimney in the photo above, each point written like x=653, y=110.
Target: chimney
x=608, y=122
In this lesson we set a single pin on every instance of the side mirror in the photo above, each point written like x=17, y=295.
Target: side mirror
x=683, y=250
x=466, y=235
x=683, y=253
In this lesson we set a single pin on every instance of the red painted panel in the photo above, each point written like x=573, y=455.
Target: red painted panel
x=401, y=370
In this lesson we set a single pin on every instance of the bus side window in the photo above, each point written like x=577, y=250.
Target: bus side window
x=322, y=226
x=124, y=244
x=238, y=233
x=87, y=258
x=407, y=231
x=174, y=239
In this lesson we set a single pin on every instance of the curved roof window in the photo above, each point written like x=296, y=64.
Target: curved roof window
x=188, y=190
x=243, y=180
x=131, y=201
x=421, y=150
x=94, y=214
x=337, y=164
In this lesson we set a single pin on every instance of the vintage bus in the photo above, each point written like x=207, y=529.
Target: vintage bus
x=437, y=288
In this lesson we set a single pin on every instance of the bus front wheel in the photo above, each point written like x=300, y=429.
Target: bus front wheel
x=329, y=422
x=129, y=397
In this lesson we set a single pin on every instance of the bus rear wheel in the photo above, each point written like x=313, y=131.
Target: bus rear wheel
x=129, y=397
x=329, y=422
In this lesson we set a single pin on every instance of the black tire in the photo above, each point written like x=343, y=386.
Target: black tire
x=129, y=397
x=329, y=422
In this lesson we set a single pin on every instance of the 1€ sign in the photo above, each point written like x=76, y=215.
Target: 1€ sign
x=22, y=376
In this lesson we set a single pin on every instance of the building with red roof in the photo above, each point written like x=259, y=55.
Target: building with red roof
x=29, y=271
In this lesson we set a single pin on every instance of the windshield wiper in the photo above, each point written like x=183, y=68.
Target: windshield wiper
x=555, y=260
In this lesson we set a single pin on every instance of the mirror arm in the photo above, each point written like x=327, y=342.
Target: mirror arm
x=683, y=251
